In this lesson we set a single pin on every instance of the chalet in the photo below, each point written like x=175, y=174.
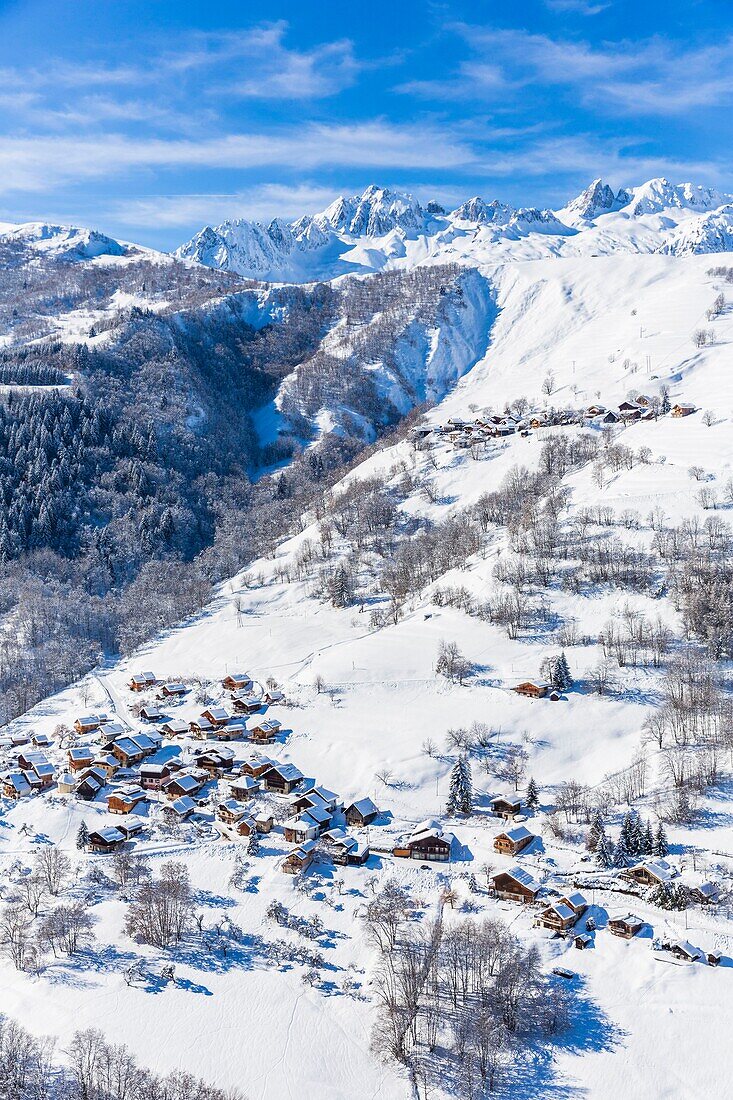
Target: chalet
x=274, y=697
x=650, y=872
x=682, y=410
x=713, y=958
x=106, y=763
x=127, y=751
x=625, y=925
x=264, y=821
x=66, y=783
x=314, y=798
x=15, y=785
x=79, y=759
x=300, y=859
x=686, y=952
x=583, y=940
x=179, y=785
x=644, y=400
x=215, y=716
x=532, y=689
x=231, y=811
x=247, y=702
x=427, y=841
x=176, y=690
x=90, y=722
x=247, y=825
x=109, y=732
x=307, y=826
x=515, y=885
x=36, y=764
x=244, y=788
x=174, y=727
x=707, y=893
x=105, y=840
x=125, y=799
x=233, y=731
x=513, y=841
x=361, y=813
x=629, y=410
x=90, y=784
x=505, y=807
x=345, y=849
x=152, y=776
x=17, y=739
x=265, y=731
x=41, y=741
x=142, y=681
x=215, y=761
x=609, y=417
x=595, y=410
x=133, y=826
x=201, y=727
x=151, y=713
x=180, y=808
x=538, y=421
x=282, y=778
x=563, y=913
x=257, y=766
x=237, y=681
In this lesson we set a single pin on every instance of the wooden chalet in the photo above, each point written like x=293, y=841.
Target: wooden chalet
x=90, y=722
x=39, y=770
x=264, y=731
x=247, y=825
x=257, y=766
x=505, y=807
x=79, y=758
x=152, y=776
x=215, y=761
x=516, y=884
x=713, y=958
x=314, y=797
x=282, y=778
x=66, y=783
x=513, y=841
x=174, y=690
x=234, y=730
x=105, y=840
x=532, y=689
x=174, y=727
x=307, y=826
x=215, y=716
x=344, y=849
x=686, y=952
x=125, y=799
x=563, y=913
x=300, y=859
x=41, y=740
x=142, y=681
x=91, y=782
x=650, y=872
x=200, y=728
x=106, y=763
x=361, y=813
x=244, y=788
x=179, y=786
x=274, y=697
x=263, y=821
x=427, y=841
x=583, y=940
x=15, y=785
x=180, y=809
x=151, y=713
x=706, y=893
x=127, y=751
x=247, y=702
x=231, y=811
x=625, y=925
x=237, y=681
x=680, y=410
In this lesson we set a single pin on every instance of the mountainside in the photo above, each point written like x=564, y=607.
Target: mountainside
x=383, y=229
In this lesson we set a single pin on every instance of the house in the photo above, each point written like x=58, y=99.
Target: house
x=314, y=797
x=151, y=713
x=583, y=940
x=650, y=872
x=233, y=731
x=427, y=841
x=231, y=811
x=563, y=913
x=152, y=776
x=109, y=732
x=36, y=764
x=180, y=808
x=307, y=826
x=515, y=885
x=685, y=951
x=132, y=827
x=629, y=410
x=90, y=784
x=282, y=778
x=127, y=751
x=257, y=766
x=361, y=813
x=609, y=417
x=90, y=722
x=247, y=702
x=142, y=681
x=300, y=859
x=532, y=689
x=125, y=799
x=707, y=893
x=265, y=731
x=274, y=697
x=345, y=849
x=106, y=763
x=215, y=761
x=17, y=739
x=105, y=840
x=173, y=689
x=713, y=958
x=181, y=785
x=79, y=758
x=513, y=841
x=682, y=410
x=504, y=807
x=237, y=681
x=594, y=410
x=41, y=741
x=625, y=925
x=264, y=821
x=215, y=716
x=65, y=783
x=201, y=727
x=174, y=727
x=15, y=785
x=244, y=787
x=247, y=825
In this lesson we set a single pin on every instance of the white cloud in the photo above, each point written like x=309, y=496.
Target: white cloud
x=260, y=203
x=578, y=7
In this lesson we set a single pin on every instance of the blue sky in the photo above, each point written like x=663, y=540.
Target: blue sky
x=149, y=120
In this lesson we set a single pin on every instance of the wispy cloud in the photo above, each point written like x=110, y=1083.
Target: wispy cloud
x=578, y=7
x=260, y=203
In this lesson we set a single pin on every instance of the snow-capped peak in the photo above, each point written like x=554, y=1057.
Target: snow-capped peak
x=478, y=211
x=598, y=198
x=659, y=194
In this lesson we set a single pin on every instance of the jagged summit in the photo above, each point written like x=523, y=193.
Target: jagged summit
x=597, y=198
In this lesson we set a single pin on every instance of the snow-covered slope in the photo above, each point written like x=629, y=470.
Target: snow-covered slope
x=381, y=229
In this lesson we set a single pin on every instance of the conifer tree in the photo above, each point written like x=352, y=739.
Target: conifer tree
x=604, y=852
x=621, y=852
x=82, y=836
x=565, y=680
x=648, y=838
x=532, y=798
x=253, y=843
x=661, y=844
x=460, y=793
x=596, y=831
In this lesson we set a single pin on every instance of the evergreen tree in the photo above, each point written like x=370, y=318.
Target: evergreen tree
x=648, y=838
x=532, y=798
x=565, y=680
x=621, y=853
x=82, y=836
x=460, y=793
x=253, y=844
x=604, y=852
x=661, y=844
x=635, y=835
x=596, y=831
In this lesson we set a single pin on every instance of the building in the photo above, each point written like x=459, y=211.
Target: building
x=152, y=776
x=105, y=840
x=151, y=713
x=282, y=778
x=92, y=781
x=237, y=681
x=682, y=410
x=686, y=952
x=515, y=885
x=90, y=722
x=300, y=859
x=142, y=681
x=127, y=751
x=707, y=893
x=307, y=826
x=181, y=785
x=125, y=799
x=362, y=813
x=583, y=940
x=234, y=730
x=15, y=785
x=427, y=841
x=106, y=763
x=173, y=689
x=345, y=849
x=273, y=697
x=39, y=770
x=231, y=812
x=650, y=872
x=625, y=925
x=247, y=702
x=563, y=913
x=532, y=689
x=505, y=807
x=174, y=727
x=66, y=783
x=256, y=766
x=265, y=730
x=513, y=841
x=180, y=808
x=79, y=758
x=215, y=716
x=315, y=797
x=244, y=787
x=215, y=761
x=247, y=825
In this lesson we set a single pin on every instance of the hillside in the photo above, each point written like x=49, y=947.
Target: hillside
x=611, y=543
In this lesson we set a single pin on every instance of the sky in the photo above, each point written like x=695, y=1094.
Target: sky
x=150, y=120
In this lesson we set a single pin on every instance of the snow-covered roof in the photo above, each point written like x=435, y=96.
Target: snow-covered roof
x=288, y=771
x=364, y=806
x=576, y=900
x=183, y=805
x=176, y=725
x=520, y=833
x=626, y=918
x=522, y=876
x=109, y=835
x=563, y=911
